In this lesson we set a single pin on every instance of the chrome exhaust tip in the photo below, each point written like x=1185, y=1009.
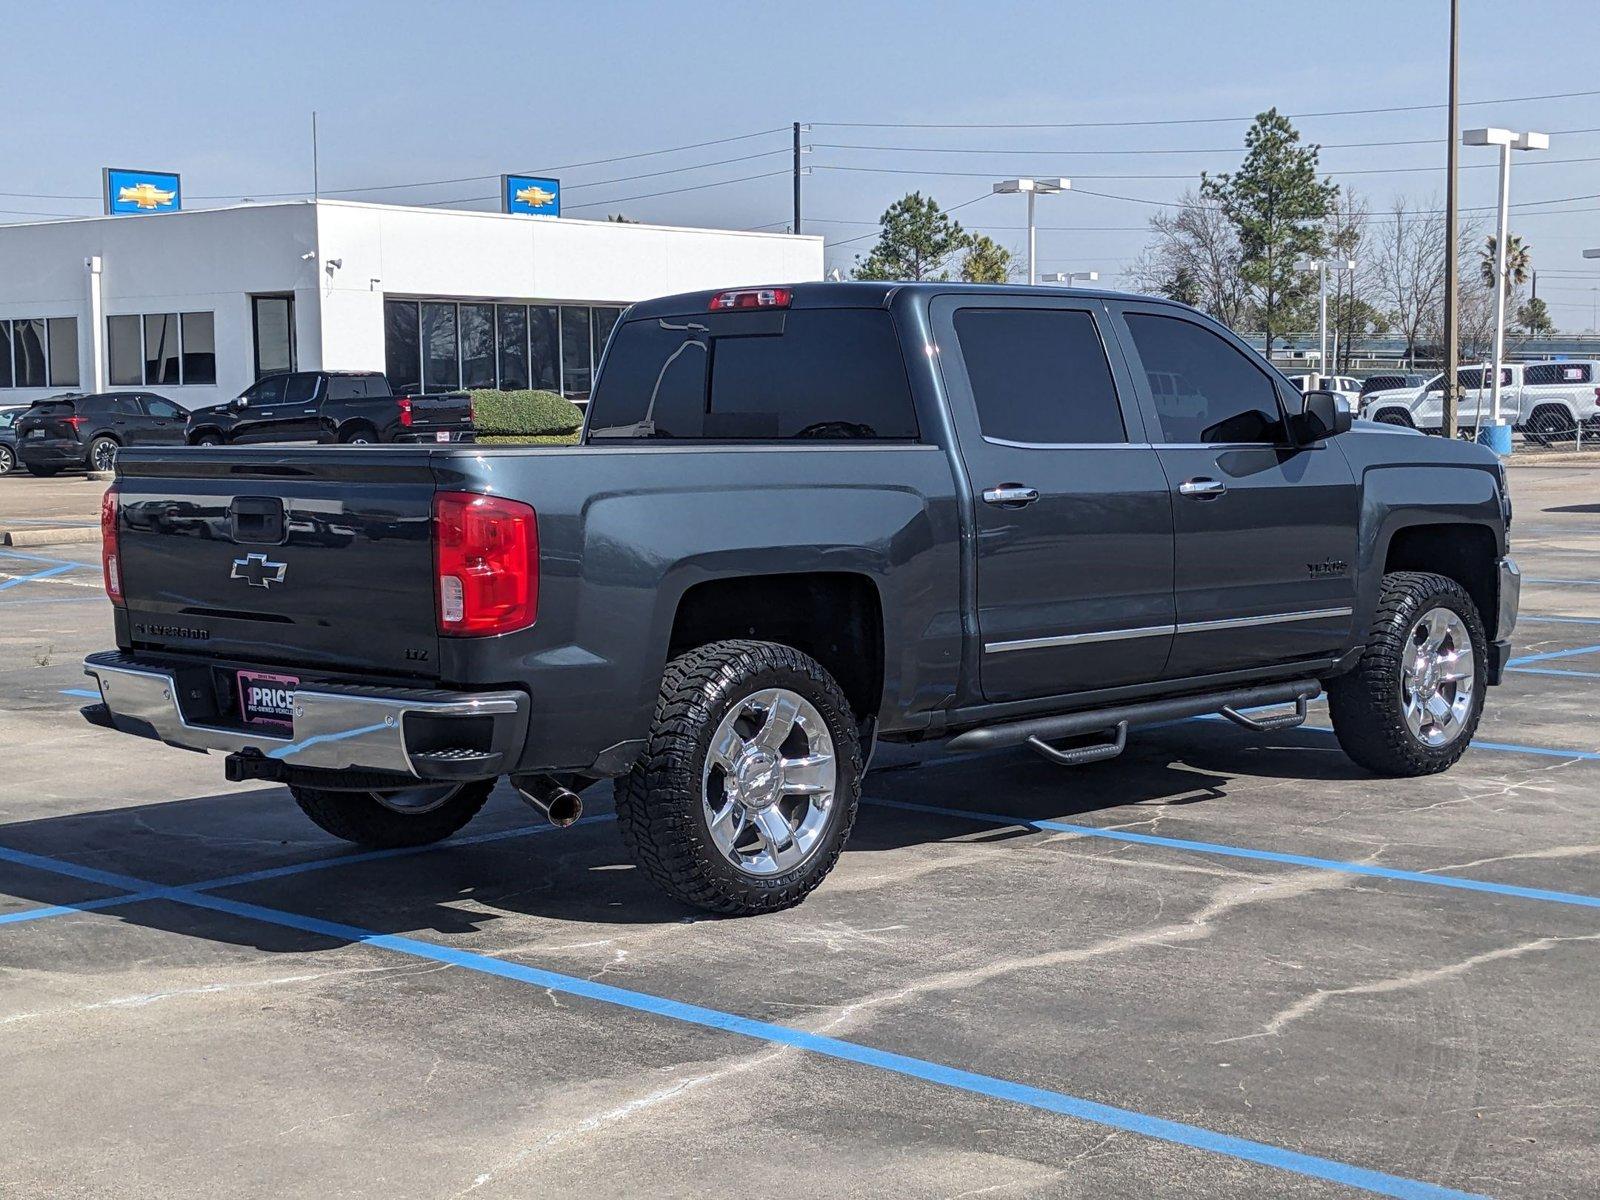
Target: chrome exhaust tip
x=560, y=806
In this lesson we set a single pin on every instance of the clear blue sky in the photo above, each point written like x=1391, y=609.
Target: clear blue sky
x=410, y=91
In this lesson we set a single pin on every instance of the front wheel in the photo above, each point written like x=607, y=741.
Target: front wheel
x=746, y=793
x=1413, y=702
x=391, y=819
x=207, y=439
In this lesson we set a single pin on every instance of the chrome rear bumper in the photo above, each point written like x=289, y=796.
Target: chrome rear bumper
x=424, y=733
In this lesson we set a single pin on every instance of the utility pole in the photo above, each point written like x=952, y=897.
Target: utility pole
x=316, y=180
x=1452, y=339
x=797, y=177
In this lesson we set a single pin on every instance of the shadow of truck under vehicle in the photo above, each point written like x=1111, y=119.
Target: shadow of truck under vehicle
x=509, y=864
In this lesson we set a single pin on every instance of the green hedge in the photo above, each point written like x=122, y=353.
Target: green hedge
x=524, y=413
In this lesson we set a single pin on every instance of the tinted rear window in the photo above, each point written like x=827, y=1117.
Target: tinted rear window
x=1539, y=374
x=832, y=374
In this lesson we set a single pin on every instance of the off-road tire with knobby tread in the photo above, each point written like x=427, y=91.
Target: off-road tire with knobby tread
x=1365, y=703
x=659, y=806
x=358, y=817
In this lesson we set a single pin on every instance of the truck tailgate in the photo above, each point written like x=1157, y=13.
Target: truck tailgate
x=439, y=411
x=314, y=558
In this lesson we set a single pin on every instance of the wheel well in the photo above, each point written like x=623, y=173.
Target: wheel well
x=834, y=617
x=354, y=424
x=1465, y=553
x=197, y=434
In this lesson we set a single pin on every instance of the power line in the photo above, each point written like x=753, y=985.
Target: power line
x=1548, y=162
x=1346, y=112
x=1216, y=150
x=420, y=183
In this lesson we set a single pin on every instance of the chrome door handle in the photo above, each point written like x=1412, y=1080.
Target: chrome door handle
x=1202, y=488
x=1010, y=495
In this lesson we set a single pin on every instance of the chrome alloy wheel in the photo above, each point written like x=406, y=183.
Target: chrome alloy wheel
x=1437, y=678
x=767, y=790
x=416, y=800
x=105, y=455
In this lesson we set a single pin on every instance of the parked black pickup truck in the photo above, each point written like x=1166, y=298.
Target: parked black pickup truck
x=802, y=519
x=354, y=407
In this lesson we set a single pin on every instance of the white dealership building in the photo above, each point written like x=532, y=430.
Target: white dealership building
x=196, y=305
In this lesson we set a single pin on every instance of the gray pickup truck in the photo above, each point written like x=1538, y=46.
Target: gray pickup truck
x=802, y=519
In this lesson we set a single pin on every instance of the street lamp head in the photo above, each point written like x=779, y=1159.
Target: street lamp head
x=1069, y=276
x=1488, y=137
x=1595, y=253
x=1307, y=264
x=1342, y=264
x=1008, y=186
x=1531, y=141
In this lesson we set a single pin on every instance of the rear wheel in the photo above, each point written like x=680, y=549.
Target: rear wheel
x=743, y=800
x=103, y=454
x=390, y=819
x=361, y=435
x=207, y=439
x=8, y=460
x=1549, y=423
x=1413, y=702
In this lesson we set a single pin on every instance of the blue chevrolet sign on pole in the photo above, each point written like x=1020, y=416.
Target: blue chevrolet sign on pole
x=141, y=191
x=530, y=194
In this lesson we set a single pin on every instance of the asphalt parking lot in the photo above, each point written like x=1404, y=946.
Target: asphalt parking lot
x=1225, y=964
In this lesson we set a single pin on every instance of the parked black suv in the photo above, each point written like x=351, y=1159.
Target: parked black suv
x=354, y=407
x=87, y=431
x=8, y=437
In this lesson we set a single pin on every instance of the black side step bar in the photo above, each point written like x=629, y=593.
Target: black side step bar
x=1150, y=712
x=1268, y=724
x=1077, y=756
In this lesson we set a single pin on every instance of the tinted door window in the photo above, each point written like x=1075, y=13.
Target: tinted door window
x=1204, y=389
x=267, y=392
x=300, y=389
x=166, y=410
x=1039, y=376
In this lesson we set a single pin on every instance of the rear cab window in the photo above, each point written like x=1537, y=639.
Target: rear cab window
x=829, y=374
x=1557, y=373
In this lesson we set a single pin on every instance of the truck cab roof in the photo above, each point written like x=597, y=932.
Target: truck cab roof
x=867, y=294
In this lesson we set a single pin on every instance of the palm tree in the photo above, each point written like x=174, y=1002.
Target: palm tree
x=1518, y=258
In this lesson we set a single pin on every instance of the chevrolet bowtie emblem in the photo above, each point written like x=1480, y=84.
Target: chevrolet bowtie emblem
x=535, y=195
x=255, y=570
x=145, y=195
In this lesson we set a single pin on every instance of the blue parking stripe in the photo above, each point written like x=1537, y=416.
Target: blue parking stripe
x=44, y=574
x=1568, y=582
x=81, y=693
x=41, y=558
x=955, y=1078
x=1524, y=617
x=1554, y=671
x=1549, y=654
x=1225, y=850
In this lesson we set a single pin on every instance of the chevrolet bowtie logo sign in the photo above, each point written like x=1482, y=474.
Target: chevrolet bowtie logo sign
x=145, y=195
x=257, y=571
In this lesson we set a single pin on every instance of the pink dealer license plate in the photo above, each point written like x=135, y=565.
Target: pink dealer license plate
x=267, y=699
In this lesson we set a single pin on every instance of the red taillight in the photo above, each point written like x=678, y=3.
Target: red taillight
x=110, y=556
x=776, y=297
x=405, y=409
x=75, y=422
x=487, y=551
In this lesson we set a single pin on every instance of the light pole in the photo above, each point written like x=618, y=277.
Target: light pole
x=1594, y=294
x=1498, y=434
x=1068, y=277
x=1322, y=266
x=1033, y=187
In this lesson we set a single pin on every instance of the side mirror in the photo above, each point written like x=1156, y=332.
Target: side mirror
x=1323, y=415
x=239, y=404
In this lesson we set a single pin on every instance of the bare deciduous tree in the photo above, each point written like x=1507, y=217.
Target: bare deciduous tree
x=1194, y=256
x=1408, y=250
